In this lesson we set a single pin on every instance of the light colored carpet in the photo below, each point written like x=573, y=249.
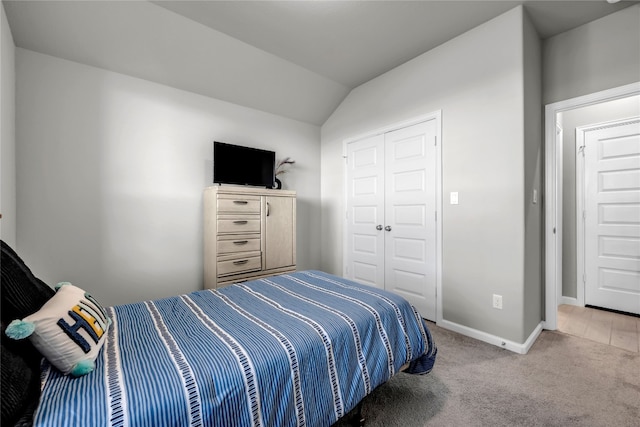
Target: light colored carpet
x=562, y=381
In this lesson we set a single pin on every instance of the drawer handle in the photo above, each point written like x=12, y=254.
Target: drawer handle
x=240, y=222
x=240, y=202
x=241, y=242
x=244, y=261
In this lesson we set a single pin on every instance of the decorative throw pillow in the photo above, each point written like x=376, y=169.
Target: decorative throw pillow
x=69, y=330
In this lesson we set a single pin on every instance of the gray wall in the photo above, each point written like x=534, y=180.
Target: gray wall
x=599, y=55
x=593, y=114
x=533, y=158
x=111, y=171
x=477, y=81
x=7, y=134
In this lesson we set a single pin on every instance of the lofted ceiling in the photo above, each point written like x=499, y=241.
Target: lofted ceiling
x=352, y=42
x=297, y=59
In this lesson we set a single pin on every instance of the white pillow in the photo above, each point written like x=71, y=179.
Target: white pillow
x=69, y=330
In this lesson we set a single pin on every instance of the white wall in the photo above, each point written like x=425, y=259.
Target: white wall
x=7, y=133
x=600, y=55
x=477, y=81
x=111, y=171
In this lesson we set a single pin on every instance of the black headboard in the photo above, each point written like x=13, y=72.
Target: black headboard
x=22, y=294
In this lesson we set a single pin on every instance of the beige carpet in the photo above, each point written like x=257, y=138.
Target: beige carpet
x=562, y=381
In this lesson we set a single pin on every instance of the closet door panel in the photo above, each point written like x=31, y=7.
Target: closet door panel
x=410, y=206
x=365, y=211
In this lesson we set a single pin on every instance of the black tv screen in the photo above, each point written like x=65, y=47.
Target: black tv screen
x=235, y=164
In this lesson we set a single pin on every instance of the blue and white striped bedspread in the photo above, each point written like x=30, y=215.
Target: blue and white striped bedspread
x=297, y=349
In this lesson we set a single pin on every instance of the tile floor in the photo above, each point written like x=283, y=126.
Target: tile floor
x=602, y=326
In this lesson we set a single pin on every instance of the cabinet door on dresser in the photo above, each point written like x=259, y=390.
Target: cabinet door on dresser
x=280, y=232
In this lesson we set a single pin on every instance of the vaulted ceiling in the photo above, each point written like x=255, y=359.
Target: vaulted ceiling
x=297, y=59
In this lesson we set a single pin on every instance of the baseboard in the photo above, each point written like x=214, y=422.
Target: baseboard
x=493, y=339
x=569, y=301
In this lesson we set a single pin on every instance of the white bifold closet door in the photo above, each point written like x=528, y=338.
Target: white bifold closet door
x=391, y=213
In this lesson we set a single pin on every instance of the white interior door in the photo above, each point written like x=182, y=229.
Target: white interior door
x=364, y=259
x=410, y=209
x=612, y=216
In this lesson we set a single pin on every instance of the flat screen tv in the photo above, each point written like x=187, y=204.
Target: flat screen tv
x=235, y=164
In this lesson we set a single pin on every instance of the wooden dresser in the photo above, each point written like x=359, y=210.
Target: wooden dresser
x=248, y=233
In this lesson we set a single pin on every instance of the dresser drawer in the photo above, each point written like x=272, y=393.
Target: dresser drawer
x=238, y=204
x=239, y=225
x=238, y=244
x=239, y=265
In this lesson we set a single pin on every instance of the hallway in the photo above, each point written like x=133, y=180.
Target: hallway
x=618, y=330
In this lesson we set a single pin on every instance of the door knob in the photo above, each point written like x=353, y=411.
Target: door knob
x=379, y=227
x=388, y=228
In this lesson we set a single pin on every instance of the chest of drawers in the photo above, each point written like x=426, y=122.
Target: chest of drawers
x=248, y=233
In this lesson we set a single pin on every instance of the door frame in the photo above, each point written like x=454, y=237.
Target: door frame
x=553, y=192
x=580, y=208
x=437, y=116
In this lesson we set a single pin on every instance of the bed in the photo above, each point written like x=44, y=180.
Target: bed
x=296, y=349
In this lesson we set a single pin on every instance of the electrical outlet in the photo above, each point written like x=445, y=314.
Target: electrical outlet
x=497, y=301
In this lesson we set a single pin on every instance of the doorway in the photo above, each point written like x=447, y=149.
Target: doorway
x=555, y=230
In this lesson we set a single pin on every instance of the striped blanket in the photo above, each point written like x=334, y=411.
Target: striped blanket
x=290, y=350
